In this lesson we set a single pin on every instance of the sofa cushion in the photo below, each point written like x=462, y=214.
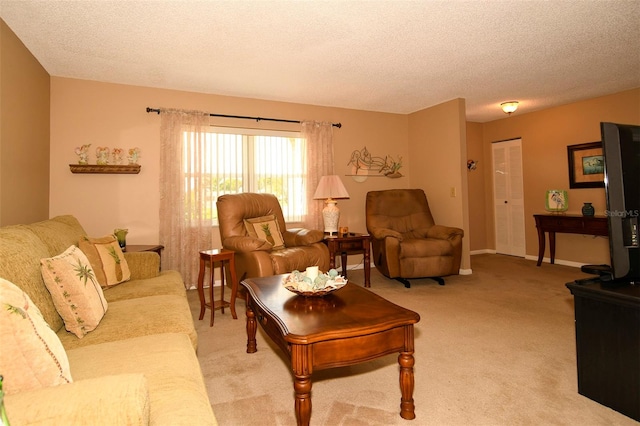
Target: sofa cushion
x=265, y=228
x=58, y=233
x=138, y=317
x=76, y=293
x=32, y=356
x=121, y=399
x=177, y=391
x=168, y=282
x=107, y=260
x=21, y=251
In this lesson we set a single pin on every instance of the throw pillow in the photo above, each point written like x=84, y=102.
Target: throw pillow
x=32, y=356
x=76, y=293
x=265, y=228
x=107, y=260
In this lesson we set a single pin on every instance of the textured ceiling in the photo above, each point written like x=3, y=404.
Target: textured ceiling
x=390, y=56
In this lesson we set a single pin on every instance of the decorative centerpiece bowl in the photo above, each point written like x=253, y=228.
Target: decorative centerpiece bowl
x=311, y=283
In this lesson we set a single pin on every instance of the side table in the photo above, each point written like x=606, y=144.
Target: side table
x=350, y=243
x=226, y=259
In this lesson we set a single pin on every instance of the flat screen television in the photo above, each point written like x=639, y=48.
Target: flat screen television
x=621, y=151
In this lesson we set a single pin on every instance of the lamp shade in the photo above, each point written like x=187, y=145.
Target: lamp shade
x=330, y=187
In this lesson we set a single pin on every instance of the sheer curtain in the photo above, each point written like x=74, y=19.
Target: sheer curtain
x=319, y=137
x=184, y=231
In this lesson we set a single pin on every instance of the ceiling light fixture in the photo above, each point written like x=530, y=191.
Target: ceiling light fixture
x=509, y=107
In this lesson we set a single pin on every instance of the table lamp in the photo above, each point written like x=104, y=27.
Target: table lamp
x=330, y=188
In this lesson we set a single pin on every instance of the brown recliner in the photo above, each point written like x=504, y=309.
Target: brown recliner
x=406, y=242
x=256, y=257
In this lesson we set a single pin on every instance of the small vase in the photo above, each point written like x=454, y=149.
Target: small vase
x=588, y=210
x=121, y=236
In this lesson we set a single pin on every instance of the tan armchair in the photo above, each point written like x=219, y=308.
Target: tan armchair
x=405, y=240
x=252, y=225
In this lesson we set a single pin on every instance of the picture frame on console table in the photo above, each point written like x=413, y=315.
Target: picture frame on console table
x=586, y=165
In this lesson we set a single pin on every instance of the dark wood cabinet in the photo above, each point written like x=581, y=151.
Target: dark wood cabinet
x=607, y=321
x=568, y=224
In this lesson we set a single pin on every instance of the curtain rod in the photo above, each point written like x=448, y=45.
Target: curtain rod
x=338, y=125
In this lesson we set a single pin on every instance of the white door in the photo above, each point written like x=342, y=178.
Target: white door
x=508, y=196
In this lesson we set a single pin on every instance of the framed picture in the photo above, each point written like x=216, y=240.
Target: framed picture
x=556, y=200
x=586, y=165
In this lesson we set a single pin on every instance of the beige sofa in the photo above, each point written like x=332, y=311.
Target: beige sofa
x=139, y=365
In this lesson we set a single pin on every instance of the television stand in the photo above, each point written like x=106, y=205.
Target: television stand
x=607, y=321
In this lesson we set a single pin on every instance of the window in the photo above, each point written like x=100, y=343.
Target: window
x=233, y=161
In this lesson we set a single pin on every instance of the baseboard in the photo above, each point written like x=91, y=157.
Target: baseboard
x=557, y=261
x=530, y=257
x=483, y=251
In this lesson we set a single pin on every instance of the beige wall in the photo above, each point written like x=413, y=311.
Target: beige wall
x=114, y=115
x=477, y=236
x=437, y=146
x=24, y=133
x=545, y=136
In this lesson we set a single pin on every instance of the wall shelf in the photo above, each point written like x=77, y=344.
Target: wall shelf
x=132, y=169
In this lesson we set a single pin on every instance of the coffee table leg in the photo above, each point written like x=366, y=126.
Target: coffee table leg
x=301, y=383
x=407, y=382
x=251, y=329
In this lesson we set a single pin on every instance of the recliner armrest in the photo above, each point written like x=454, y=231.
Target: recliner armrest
x=246, y=244
x=442, y=232
x=295, y=237
x=382, y=233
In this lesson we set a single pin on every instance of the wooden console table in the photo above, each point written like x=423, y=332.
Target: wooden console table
x=568, y=224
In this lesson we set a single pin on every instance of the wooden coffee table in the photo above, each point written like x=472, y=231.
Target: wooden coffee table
x=347, y=327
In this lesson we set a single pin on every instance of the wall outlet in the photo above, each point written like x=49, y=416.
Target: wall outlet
x=453, y=192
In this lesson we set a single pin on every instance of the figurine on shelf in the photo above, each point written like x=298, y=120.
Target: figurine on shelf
x=102, y=155
x=134, y=155
x=118, y=155
x=83, y=153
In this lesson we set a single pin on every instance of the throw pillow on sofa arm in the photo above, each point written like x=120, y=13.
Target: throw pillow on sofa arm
x=107, y=260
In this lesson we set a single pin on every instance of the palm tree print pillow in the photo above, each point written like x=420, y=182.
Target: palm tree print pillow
x=31, y=356
x=265, y=228
x=107, y=260
x=76, y=293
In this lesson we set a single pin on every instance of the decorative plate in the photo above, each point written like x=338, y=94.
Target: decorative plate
x=324, y=284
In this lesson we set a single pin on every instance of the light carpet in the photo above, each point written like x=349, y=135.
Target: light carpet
x=493, y=348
